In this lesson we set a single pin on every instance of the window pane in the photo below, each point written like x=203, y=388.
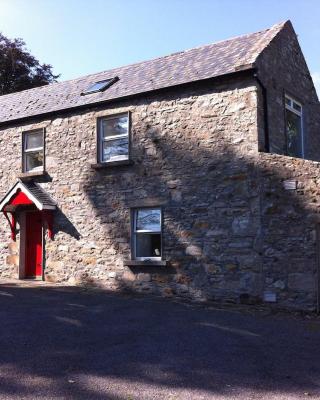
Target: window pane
x=34, y=140
x=148, y=219
x=148, y=245
x=297, y=107
x=294, y=137
x=114, y=126
x=115, y=150
x=99, y=86
x=34, y=160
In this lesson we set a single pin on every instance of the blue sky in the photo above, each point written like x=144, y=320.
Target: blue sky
x=79, y=37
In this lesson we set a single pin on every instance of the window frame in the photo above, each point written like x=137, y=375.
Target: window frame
x=290, y=107
x=25, y=151
x=134, y=232
x=101, y=140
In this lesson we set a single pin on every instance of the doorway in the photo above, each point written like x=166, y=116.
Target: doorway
x=33, y=245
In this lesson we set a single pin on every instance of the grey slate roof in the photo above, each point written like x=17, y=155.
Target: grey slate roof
x=187, y=66
x=40, y=194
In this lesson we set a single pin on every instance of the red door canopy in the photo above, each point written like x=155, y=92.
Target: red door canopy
x=30, y=196
x=26, y=194
x=21, y=199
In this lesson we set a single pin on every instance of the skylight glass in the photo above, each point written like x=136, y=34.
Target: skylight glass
x=100, y=86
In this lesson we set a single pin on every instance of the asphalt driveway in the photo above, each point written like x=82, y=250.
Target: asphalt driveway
x=67, y=343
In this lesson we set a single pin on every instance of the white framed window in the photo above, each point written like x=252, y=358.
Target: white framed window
x=33, y=151
x=294, y=127
x=147, y=234
x=113, y=138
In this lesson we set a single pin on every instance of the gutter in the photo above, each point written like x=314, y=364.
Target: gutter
x=265, y=112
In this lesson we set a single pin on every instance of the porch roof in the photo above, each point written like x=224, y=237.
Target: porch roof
x=32, y=192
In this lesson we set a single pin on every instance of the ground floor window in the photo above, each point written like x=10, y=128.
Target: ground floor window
x=147, y=234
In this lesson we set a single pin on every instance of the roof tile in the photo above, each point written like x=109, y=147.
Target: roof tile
x=187, y=66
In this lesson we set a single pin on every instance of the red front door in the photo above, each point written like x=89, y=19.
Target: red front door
x=33, y=259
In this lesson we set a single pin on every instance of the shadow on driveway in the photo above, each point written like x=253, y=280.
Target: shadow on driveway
x=71, y=343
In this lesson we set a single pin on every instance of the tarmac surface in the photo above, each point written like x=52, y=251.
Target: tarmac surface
x=69, y=343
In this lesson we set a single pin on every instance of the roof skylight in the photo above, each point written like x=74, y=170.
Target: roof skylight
x=100, y=86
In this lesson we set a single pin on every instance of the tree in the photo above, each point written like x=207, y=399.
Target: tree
x=20, y=70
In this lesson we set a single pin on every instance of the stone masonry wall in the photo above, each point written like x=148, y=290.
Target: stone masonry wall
x=290, y=208
x=283, y=70
x=231, y=230
x=289, y=218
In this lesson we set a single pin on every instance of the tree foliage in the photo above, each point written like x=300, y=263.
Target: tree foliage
x=20, y=70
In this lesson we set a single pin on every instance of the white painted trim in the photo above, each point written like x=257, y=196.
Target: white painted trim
x=299, y=114
x=291, y=108
x=136, y=232
x=103, y=139
x=33, y=150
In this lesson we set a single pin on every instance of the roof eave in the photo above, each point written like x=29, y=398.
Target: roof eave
x=239, y=70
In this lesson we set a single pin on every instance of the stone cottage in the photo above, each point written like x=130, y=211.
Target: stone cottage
x=193, y=175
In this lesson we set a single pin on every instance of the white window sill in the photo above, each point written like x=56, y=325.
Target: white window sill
x=32, y=174
x=110, y=164
x=149, y=263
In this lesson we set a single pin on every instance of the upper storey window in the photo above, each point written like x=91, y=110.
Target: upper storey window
x=294, y=127
x=33, y=151
x=113, y=138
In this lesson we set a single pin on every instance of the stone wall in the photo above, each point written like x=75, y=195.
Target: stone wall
x=231, y=230
x=283, y=70
x=289, y=198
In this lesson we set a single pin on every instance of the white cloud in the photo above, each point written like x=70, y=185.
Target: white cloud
x=316, y=81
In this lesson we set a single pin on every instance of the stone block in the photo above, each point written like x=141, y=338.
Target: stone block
x=182, y=288
x=279, y=284
x=172, y=184
x=182, y=279
x=143, y=277
x=160, y=278
x=63, y=248
x=194, y=250
x=13, y=248
x=52, y=278
x=89, y=260
x=57, y=266
x=212, y=268
x=13, y=260
x=230, y=267
x=168, y=292
x=302, y=281
x=240, y=224
x=200, y=225
x=128, y=276
x=217, y=232
x=176, y=195
x=250, y=282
